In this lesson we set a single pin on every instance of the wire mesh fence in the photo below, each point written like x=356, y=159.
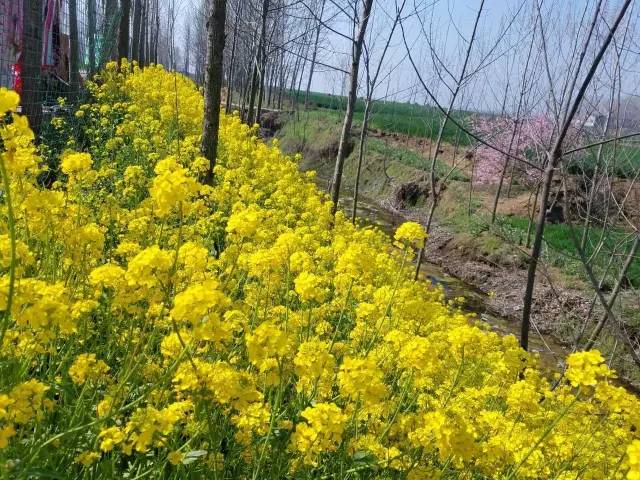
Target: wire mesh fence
x=48, y=48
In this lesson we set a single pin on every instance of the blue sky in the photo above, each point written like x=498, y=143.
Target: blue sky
x=450, y=23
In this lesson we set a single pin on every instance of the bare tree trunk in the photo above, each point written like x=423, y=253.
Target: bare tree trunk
x=135, y=40
x=363, y=136
x=262, y=75
x=257, y=75
x=187, y=47
x=143, y=49
x=32, y=50
x=294, y=76
x=435, y=192
x=555, y=157
x=74, y=54
x=123, y=34
x=282, y=82
x=91, y=35
x=531, y=215
x=154, y=39
x=299, y=86
x=314, y=55
x=537, y=247
x=614, y=294
x=503, y=172
x=253, y=88
x=270, y=77
x=245, y=93
x=351, y=103
x=213, y=84
x=110, y=29
x=232, y=59
x=371, y=85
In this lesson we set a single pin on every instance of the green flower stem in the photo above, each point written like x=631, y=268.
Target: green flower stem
x=12, y=238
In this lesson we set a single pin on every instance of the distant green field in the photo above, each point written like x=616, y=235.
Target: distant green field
x=320, y=128
x=396, y=117
x=562, y=253
x=413, y=159
x=621, y=161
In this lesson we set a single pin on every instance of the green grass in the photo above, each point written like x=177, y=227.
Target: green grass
x=397, y=117
x=319, y=129
x=561, y=251
x=415, y=120
x=413, y=159
x=622, y=161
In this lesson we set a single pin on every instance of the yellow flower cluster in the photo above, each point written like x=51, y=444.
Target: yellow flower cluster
x=633, y=454
x=9, y=100
x=322, y=431
x=75, y=163
x=411, y=234
x=240, y=330
x=87, y=367
x=24, y=403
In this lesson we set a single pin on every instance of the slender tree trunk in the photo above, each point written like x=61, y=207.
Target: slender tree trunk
x=532, y=214
x=351, y=103
x=263, y=67
x=371, y=85
x=156, y=34
x=537, y=247
x=363, y=137
x=213, y=83
x=314, y=55
x=256, y=76
x=245, y=94
x=32, y=52
x=435, y=192
x=271, y=76
x=299, y=86
x=123, y=34
x=187, y=49
x=142, y=47
x=282, y=82
x=91, y=35
x=294, y=76
x=253, y=88
x=554, y=157
x=232, y=58
x=110, y=29
x=135, y=35
x=74, y=54
x=496, y=197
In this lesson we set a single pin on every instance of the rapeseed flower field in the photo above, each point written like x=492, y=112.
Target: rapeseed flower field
x=155, y=327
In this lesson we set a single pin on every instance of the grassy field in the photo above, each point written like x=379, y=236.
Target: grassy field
x=416, y=120
x=412, y=159
x=315, y=133
x=621, y=161
x=561, y=251
x=396, y=117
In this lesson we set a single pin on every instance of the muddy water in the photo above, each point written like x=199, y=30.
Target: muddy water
x=475, y=301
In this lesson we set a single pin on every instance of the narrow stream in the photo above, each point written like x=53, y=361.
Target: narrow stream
x=551, y=352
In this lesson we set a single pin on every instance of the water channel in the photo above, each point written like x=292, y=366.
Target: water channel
x=551, y=352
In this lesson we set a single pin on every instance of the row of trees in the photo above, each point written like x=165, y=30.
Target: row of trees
x=546, y=97
x=98, y=31
x=549, y=65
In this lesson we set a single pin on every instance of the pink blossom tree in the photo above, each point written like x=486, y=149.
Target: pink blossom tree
x=525, y=138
